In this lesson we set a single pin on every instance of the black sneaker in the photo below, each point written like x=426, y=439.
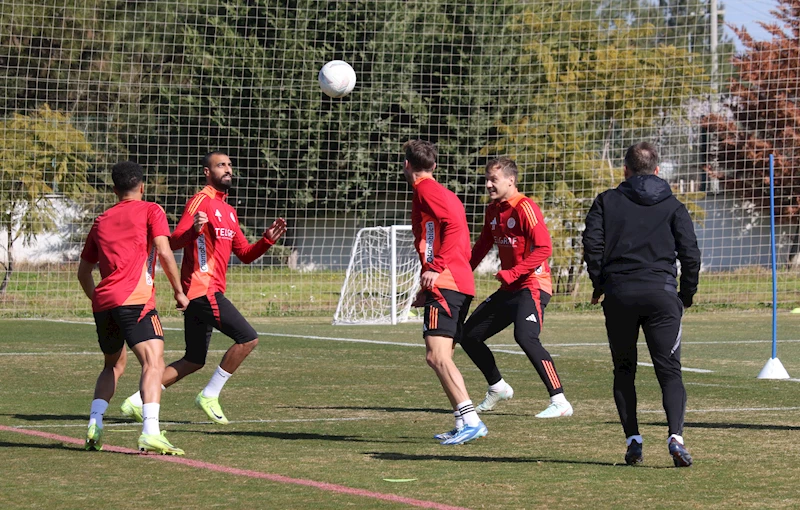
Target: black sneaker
x=634, y=454
x=680, y=455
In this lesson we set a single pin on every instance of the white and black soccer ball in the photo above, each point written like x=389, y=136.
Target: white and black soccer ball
x=337, y=78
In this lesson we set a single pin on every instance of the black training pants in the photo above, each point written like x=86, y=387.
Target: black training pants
x=658, y=313
x=523, y=308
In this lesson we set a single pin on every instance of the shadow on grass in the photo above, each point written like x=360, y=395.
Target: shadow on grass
x=509, y=460
x=373, y=408
x=43, y=446
x=84, y=418
x=48, y=417
x=743, y=426
x=297, y=436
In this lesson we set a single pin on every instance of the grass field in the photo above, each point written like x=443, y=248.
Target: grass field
x=312, y=404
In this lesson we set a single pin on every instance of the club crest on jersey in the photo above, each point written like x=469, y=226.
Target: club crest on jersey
x=511, y=222
x=218, y=215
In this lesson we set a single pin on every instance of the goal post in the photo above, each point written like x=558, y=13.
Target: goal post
x=382, y=277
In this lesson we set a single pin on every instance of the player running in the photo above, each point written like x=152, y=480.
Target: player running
x=516, y=226
x=124, y=241
x=209, y=232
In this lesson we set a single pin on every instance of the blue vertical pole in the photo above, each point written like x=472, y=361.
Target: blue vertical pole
x=774, y=256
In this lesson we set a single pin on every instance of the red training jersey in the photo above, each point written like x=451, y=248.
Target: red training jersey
x=516, y=226
x=441, y=236
x=206, y=255
x=121, y=242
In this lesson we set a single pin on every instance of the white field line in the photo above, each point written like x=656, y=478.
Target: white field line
x=605, y=344
x=91, y=353
x=164, y=423
x=383, y=342
x=683, y=369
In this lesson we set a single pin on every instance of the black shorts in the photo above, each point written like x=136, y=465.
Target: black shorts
x=438, y=322
x=126, y=324
x=524, y=308
x=206, y=313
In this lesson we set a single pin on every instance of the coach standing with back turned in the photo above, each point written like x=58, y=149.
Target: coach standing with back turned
x=634, y=233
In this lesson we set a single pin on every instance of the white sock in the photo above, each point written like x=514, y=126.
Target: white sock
x=677, y=437
x=99, y=407
x=214, y=386
x=468, y=413
x=637, y=438
x=136, y=398
x=459, y=419
x=150, y=418
x=498, y=386
x=559, y=398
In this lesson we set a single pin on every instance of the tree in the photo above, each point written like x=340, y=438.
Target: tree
x=592, y=88
x=765, y=119
x=42, y=155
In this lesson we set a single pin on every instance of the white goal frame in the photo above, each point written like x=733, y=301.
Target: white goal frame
x=382, y=278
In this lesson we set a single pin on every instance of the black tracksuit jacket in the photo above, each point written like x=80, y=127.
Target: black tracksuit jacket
x=633, y=235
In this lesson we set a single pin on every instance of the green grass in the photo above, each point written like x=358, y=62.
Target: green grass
x=356, y=413
x=52, y=290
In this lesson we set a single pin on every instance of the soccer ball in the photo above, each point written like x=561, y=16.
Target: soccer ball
x=337, y=78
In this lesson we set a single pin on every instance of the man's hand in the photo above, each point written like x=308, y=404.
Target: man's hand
x=686, y=300
x=427, y=279
x=181, y=301
x=504, y=276
x=595, y=300
x=596, y=295
x=276, y=230
x=200, y=219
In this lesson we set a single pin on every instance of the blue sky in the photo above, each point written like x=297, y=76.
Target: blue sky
x=747, y=13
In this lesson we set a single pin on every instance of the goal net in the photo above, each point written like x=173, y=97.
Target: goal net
x=382, y=277
x=563, y=87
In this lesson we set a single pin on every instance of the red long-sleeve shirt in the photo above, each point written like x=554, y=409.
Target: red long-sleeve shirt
x=206, y=255
x=516, y=226
x=441, y=236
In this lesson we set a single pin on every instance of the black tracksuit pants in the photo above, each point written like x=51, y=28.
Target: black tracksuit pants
x=658, y=313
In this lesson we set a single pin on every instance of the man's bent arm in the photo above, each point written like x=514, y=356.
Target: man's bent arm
x=170, y=267
x=594, y=245
x=688, y=252
x=85, y=278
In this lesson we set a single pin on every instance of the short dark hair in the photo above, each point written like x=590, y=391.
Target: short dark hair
x=207, y=158
x=421, y=154
x=126, y=176
x=642, y=158
x=507, y=165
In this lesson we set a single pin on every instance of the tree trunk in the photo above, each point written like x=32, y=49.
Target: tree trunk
x=7, y=276
x=9, y=266
x=794, y=249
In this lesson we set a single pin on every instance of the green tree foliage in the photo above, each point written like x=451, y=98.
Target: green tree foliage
x=680, y=23
x=43, y=157
x=592, y=88
x=554, y=84
x=765, y=120
x=245, y=82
